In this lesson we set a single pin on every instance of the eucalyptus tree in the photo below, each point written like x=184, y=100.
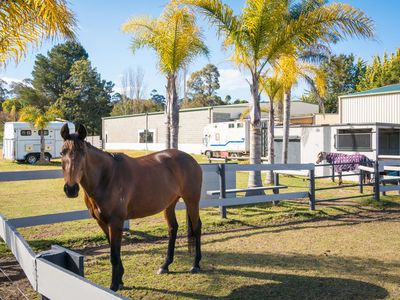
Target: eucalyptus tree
x=264, y=31
x=26, y=23
x=177, y=40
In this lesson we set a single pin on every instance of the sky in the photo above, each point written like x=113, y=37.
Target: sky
x=99, y=23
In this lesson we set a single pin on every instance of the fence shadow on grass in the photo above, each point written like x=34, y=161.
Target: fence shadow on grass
x=285, y=286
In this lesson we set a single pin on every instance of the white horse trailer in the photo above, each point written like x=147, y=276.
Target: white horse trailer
x=226, y=139
x=22, y=141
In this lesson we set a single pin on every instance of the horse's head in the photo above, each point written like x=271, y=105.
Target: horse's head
x=72, y=158
x=320, y=157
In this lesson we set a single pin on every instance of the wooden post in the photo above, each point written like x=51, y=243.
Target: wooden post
x=376, y=181
x=361, y=182
x=276, y=183
x=222, y=189
x=311, y=191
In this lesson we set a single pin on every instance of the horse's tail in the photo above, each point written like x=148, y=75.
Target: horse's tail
x=190, y=234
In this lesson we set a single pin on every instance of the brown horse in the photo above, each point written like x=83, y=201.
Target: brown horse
x=118, y=187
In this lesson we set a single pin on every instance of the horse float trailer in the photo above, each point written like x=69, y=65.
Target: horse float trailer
x=22, y=141
x=224, y=139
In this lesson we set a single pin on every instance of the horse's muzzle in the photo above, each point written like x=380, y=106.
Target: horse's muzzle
x=71, y=191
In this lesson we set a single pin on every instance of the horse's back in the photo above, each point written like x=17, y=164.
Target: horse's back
x=182, y=167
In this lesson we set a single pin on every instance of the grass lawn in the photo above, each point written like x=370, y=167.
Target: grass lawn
x=339, y=251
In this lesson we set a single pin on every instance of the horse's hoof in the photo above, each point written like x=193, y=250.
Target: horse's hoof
x=116, y=287
x=162, y=271
x=195, y=270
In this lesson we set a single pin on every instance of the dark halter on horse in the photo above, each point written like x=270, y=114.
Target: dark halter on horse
x=117, y=187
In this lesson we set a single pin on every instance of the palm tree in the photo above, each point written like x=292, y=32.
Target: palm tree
x=264, y=31
x=290, y=69
x=177, y=40
x=39, y=119
x=26, y=23
x=273, y=88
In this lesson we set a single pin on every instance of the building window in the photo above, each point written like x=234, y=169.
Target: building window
x=239, y=125
x=146, y=136
x=231, y=125
x=26, y=132
x=46, y=132
x=354, y=140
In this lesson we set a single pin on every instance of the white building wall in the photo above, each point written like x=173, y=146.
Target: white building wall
x=382, y=108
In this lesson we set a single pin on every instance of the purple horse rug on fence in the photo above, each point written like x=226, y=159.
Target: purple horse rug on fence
x=347, y=162
x=344, y=162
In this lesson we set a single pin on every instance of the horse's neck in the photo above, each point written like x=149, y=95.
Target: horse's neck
x=97, y=167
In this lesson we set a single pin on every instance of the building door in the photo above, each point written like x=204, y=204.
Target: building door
x=294, y=148
x=389, y=142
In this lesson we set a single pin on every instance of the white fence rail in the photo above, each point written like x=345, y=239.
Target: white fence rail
x=49, y=279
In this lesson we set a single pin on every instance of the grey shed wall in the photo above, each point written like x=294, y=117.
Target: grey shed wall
x=382, y=108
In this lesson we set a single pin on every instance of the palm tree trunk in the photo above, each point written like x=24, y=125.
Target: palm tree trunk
x=255, y=135
x=173, y=112
x=175, y=120
x=279, y=110
x=168, y=116
x=42, y=160
x=271, y=138
x=286, y=126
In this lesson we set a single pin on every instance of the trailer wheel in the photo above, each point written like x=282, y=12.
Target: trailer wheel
x=31, y=158
x=47, y=157
x=209, y=154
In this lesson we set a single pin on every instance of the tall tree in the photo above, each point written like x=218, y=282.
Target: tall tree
x=203, y=86
x=262, y=33
x=383, y=71
x=343, y=76
x=39, y=118
x=87, y=98
x=176, y=40
x=3, y=91
x=26, y=23
x=51, y=73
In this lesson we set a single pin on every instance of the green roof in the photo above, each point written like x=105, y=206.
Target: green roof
x=388, y=89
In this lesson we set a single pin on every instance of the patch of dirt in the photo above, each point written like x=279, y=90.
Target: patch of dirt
x=13, y=282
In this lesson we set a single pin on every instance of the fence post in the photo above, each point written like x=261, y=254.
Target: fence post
x=361, y=182
x=333, y=172
x=125, y=227
x=376, y=181
x=276, y=183
x=222, y=189
x=311, y=191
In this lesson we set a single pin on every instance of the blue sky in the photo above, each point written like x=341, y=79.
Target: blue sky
x=99, y=32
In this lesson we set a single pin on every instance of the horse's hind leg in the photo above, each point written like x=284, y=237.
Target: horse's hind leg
x=194, y=232
x=170, y=217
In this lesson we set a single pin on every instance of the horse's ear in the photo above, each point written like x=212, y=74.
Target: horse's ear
x=65, y=132
x=81, y=132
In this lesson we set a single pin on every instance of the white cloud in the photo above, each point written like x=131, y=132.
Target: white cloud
x=9, y=80
x=232, y=80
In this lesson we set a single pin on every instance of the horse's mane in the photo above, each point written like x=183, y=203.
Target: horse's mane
x=79, y=146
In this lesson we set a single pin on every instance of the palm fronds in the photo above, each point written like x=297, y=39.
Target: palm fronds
x=25, y=23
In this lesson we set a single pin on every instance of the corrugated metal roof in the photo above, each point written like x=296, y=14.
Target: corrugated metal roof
x=388, y=89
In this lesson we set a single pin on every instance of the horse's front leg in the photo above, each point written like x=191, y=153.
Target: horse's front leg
x=340, y=178
x=115, y=234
